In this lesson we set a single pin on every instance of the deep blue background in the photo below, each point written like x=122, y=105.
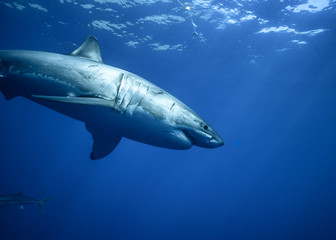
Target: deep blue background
x=274, y=178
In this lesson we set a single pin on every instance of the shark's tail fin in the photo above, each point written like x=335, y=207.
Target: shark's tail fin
x=41, y=203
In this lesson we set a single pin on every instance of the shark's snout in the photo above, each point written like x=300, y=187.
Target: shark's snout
x=216, y=141
x=208, y=139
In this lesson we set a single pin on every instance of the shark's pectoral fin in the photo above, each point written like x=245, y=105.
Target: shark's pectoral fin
x=103, y=143
x=95, y=101
x=7, y=92
x=9, y=95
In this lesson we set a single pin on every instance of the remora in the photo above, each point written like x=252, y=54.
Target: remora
x=113, y=103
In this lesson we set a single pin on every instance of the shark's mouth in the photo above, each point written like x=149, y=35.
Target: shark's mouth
x=191, y=139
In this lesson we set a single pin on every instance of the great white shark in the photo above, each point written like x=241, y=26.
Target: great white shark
x=113, y=103
x=18, y=199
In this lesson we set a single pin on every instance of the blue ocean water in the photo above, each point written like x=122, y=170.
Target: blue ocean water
x=262, y=73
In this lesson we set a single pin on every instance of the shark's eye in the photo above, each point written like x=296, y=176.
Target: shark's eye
x=205, y=127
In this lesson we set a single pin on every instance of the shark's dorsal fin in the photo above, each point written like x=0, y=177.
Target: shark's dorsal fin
x=89, y=49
